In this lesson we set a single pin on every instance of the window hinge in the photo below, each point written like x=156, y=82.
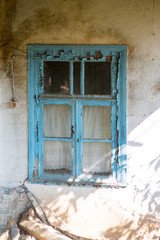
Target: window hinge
x=117, y=155
x=41, y=74
x=35, y=171
x=117, y=119
x=114, y=98
x=37, y=131
x=36, y=98
x=72, y=130
x=117, y=73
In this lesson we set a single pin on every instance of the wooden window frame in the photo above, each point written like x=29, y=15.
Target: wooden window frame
x=37, y=54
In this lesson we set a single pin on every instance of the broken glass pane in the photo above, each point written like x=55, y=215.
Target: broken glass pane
x=56, y=77
x=97, y=78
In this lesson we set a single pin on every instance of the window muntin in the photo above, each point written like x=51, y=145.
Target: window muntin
x=75, y=62
x=76, y=77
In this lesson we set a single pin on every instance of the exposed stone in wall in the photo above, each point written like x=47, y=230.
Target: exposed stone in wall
x=13, y=202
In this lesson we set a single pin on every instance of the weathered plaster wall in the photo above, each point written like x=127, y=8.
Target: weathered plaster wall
x=89, y=211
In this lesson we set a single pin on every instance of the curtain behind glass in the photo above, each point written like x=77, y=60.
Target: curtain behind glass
x=96, y=156
x=97, y=122
x=57, y=121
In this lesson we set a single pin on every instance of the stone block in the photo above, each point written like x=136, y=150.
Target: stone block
x=4, y=211
x=13, y=204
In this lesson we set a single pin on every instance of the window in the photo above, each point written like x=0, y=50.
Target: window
x=77, y=114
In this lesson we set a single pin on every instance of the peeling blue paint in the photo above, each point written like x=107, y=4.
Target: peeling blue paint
x=37, y=54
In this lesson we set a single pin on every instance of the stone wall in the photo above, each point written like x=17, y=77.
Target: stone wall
x=13, y=202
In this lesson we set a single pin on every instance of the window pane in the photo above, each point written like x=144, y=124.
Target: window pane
x=97, y=158
x=97, y=122
x=98, y=78
x=56, y=77
x=57, y=121
x=76, y=77
x=57, y=157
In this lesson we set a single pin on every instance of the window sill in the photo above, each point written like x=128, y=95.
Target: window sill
x=77, y=183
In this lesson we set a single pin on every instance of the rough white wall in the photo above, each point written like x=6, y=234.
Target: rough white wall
x=134, y=23
x=14, y=127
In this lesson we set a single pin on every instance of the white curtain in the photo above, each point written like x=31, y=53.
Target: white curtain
x=96, y=125
x=57, y=156
x=57, y=123
x=96, y=157
x=96, y=122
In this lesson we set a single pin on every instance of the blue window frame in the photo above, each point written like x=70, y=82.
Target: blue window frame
x=77, y=114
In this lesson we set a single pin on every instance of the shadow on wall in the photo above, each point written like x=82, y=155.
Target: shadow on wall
x=115, y=213
x=129, y=213
x=145, y=222
x=143, y=176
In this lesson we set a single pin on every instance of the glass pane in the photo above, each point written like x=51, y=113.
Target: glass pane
x=97, y=158
x=57, y=121
x=98, y=78
x=76, y=77
x=57, y=157
x=96, y=122
x=56, y=77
